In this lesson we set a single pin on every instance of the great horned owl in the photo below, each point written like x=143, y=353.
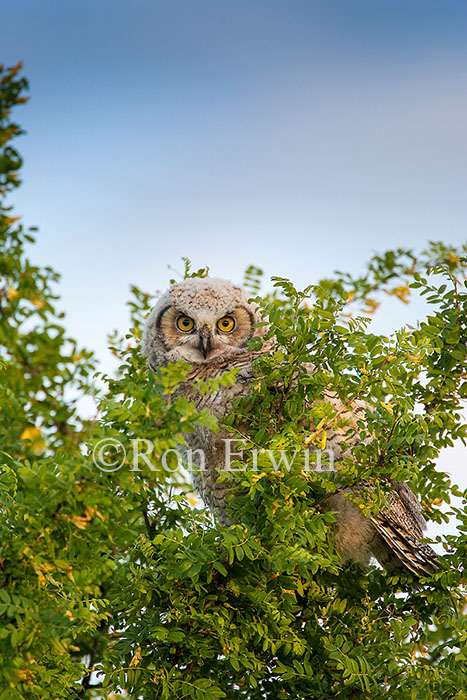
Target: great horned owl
x=208, y=323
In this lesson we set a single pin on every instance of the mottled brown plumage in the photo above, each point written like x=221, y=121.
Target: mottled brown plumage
x=208, y=322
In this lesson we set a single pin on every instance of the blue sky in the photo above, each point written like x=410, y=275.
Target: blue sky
x=300, y=136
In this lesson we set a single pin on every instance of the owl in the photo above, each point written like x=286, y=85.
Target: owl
x=208, y=323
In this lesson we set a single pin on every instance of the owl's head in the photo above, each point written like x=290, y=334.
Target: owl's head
x=200, y=320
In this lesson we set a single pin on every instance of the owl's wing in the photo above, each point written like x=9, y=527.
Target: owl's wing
x=400, y=524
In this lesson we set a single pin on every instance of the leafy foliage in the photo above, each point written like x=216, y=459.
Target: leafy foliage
x=113, y=585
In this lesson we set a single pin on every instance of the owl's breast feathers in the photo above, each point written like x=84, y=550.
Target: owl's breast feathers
x=242, y=362
x=219, y=402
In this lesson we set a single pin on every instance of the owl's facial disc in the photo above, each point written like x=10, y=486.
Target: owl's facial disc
x=205, y=336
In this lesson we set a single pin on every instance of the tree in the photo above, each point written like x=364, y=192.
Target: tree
x=113, y=585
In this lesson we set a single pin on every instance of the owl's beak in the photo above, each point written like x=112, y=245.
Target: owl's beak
x=204, y=341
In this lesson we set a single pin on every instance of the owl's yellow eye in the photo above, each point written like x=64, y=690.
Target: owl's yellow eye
x=226, y=324
x=185, y=324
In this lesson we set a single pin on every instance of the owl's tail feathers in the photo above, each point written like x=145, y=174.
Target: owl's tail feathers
x=403, y=551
